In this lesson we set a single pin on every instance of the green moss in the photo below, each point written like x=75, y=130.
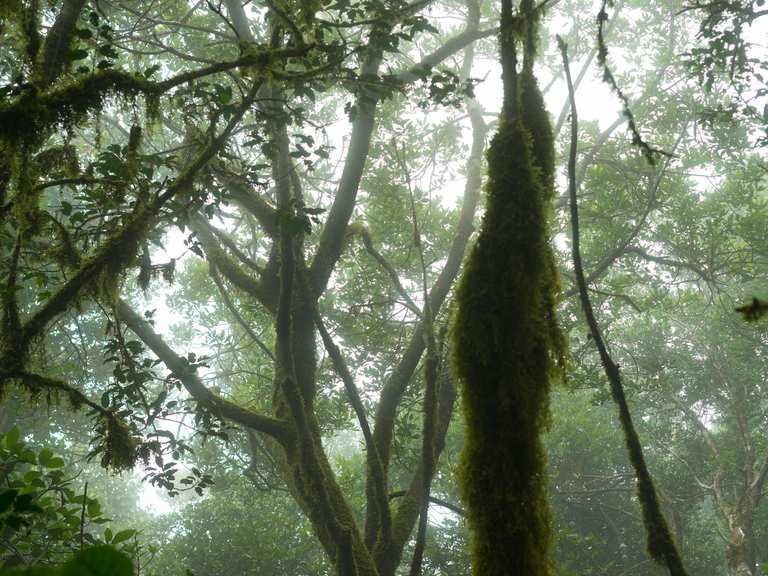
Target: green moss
x=120, y=446
x=507, y=345
x=32, y=116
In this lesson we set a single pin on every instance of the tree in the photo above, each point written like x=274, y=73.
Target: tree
x=288, y=256
x=101, y=219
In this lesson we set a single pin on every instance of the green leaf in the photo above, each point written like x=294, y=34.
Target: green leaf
x=45, y=457
x=108, y=534
x=32, y=475
x=77, y=54
x=123, y=535
x=6, y=499
x=94, y=508
x=98, y=561
x=11, y=437
x=56, y=463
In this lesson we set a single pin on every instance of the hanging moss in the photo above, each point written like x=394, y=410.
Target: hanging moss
x=120, y=446
x=506, y=343
x=34, y=114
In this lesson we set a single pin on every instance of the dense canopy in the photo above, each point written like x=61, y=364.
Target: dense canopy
x=380, y=287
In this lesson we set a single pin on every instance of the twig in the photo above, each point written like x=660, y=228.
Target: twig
x=649, y=152
x=240, y=320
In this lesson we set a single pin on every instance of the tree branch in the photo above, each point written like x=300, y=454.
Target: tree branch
x=58, y=40
x=371, y=249
x=117, y=252
x=661, y=546
x=238, y=317
x=376, y=471
x=277, y=429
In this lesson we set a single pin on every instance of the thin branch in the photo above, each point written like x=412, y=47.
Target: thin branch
x=458, y=510
x=82, y=516
x=116, y=252
x=660, y=542
x=649, y=152
x=376, y=469
x=371, y=249
x=233, y=310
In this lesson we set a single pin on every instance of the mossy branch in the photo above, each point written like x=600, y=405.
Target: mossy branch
x=376, y=471
x=58, y=40
x=310, y=468
x=648, y=151
x=661, y=546
x=273, y=427
x=507, y=346
x=456, y=509
x=230, y=269
x=34, y=113
x=119, y=250
x=120, y=450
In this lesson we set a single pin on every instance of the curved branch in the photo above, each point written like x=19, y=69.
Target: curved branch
x=116, y=253
x=371, y=249
x=238, y=317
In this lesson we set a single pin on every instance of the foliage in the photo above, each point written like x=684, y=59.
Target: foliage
x=43, y=517
x=95, y=561
x=362, y=128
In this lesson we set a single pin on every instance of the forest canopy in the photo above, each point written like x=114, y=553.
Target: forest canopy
x=381, y=287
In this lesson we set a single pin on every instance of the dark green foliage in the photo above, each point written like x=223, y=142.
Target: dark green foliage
x=96, y=561
x=42, y=515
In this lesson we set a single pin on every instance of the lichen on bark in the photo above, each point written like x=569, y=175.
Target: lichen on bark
x=507, y=348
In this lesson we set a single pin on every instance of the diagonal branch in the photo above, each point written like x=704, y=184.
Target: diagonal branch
x=58, y=40
x=332, y=236
x=255, y=204
x=231, y=270
x=116, y=253
x=375, y=468
x=449, y=48
x=238, y=317
x=371, y=249
x=403, y=371
x=277, y=429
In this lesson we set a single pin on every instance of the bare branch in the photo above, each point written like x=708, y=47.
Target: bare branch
x=238, y=317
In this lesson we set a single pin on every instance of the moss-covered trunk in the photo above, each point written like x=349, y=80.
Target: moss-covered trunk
x=506, y=343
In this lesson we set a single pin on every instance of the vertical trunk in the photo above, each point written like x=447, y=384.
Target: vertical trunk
x=740, y=550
